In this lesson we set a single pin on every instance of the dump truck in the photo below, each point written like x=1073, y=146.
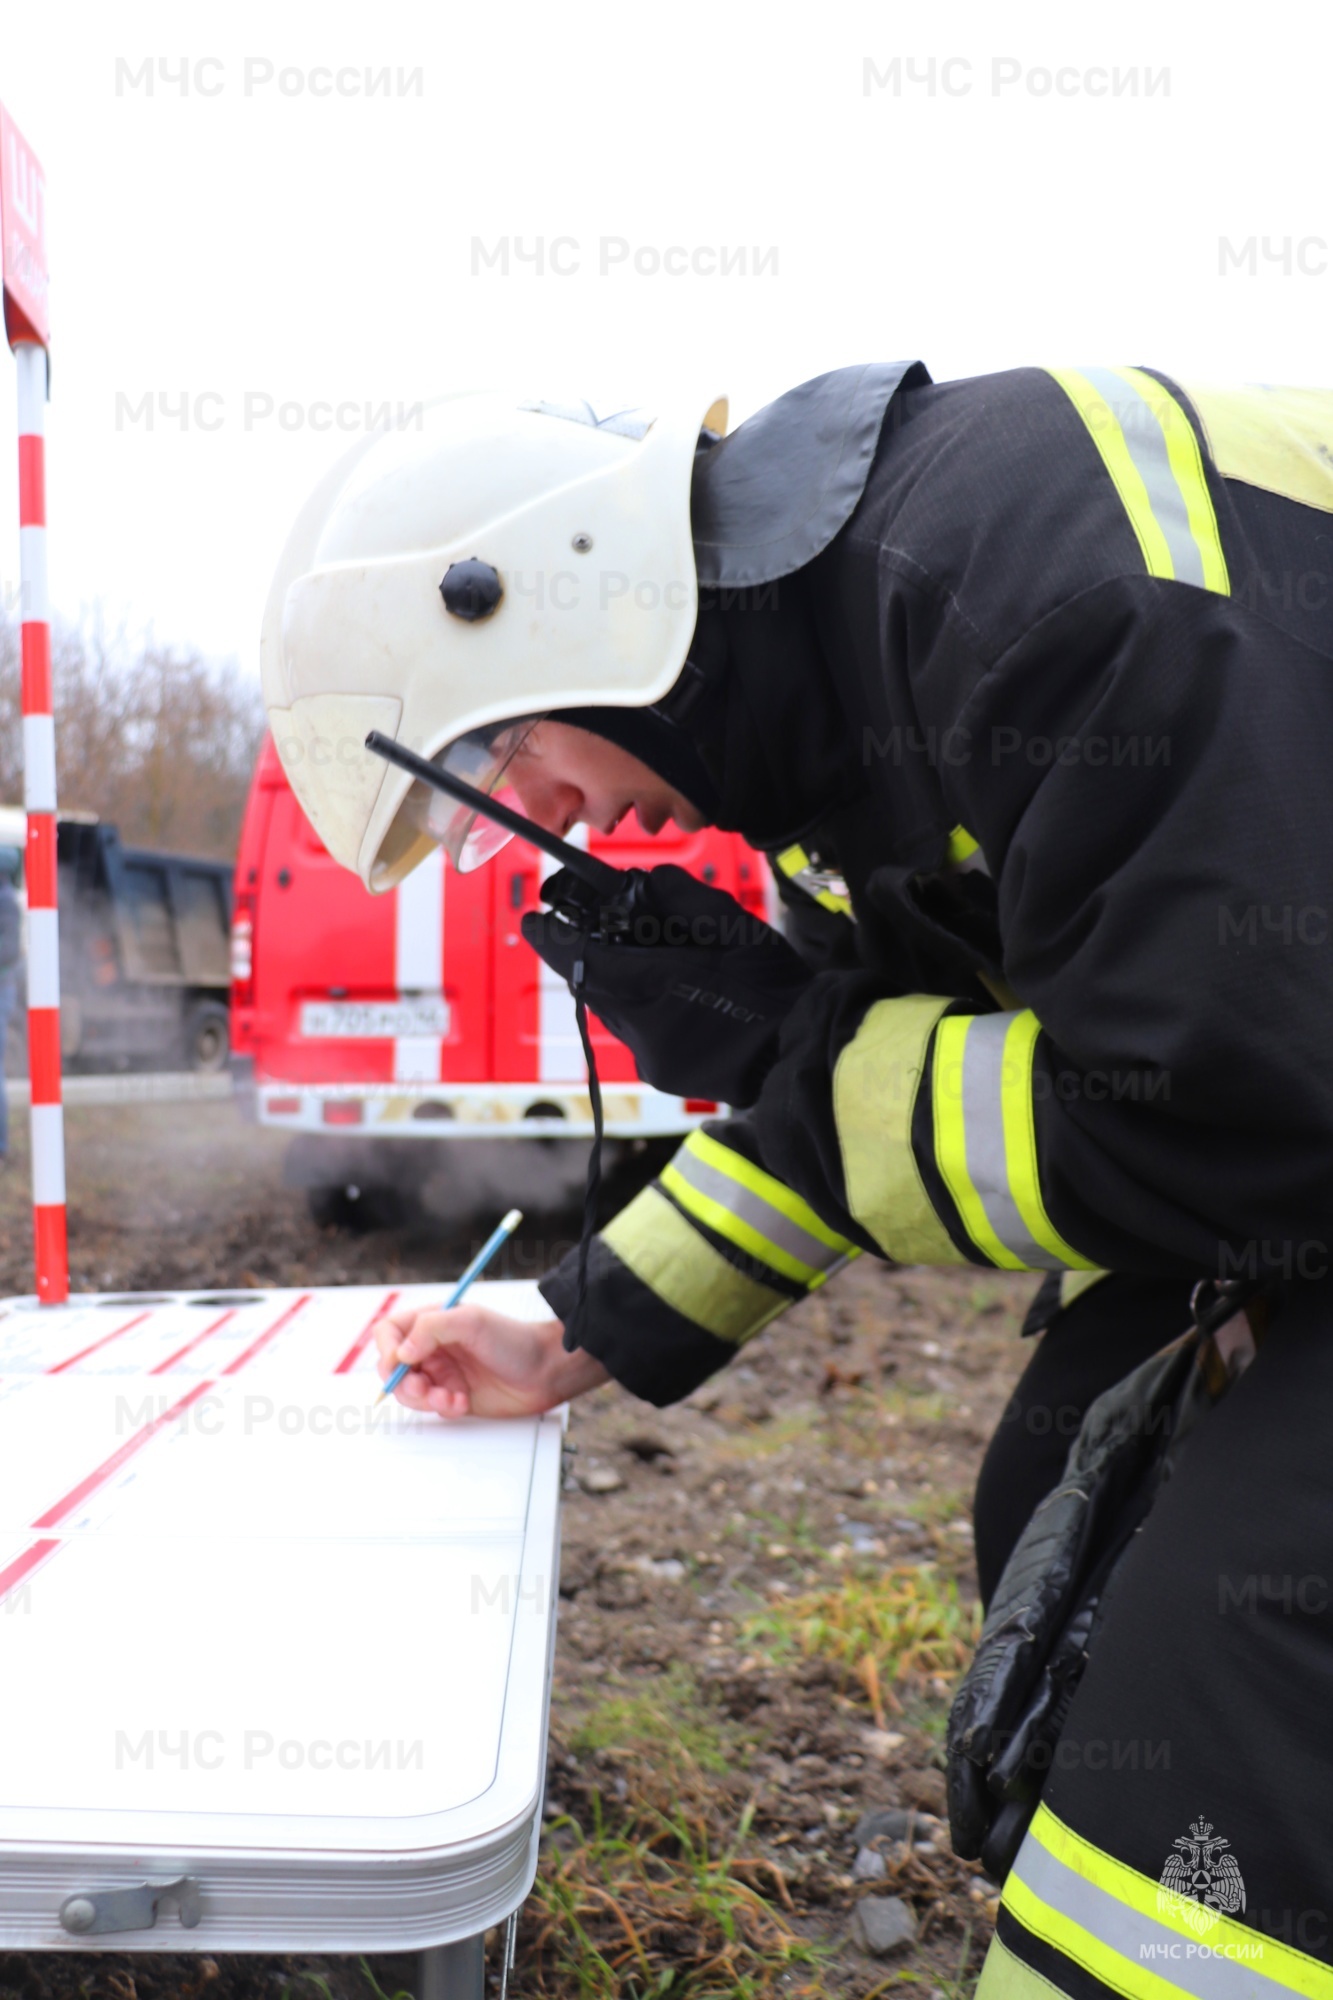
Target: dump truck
x=144, y=952
x=144, y=948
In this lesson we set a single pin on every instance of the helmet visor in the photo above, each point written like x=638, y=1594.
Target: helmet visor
x=480, y=759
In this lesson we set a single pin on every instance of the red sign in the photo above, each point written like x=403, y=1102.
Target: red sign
x=23, y=237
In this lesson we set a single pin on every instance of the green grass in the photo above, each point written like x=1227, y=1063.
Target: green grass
x=796, y=1532
x=660, y=1908
x=925, y=1713
x=912, y=1407
x=851, y=1426
x=959, y=1985
x=633, y=1726
x=776, y=1435
x=637, y=1900
x=936, y=1510
x=377, y=1991
x=898, y=1628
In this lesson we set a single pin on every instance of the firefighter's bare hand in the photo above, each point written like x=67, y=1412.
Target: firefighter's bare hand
x=475, y=1362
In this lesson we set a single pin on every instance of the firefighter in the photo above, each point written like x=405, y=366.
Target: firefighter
x=1022, y=682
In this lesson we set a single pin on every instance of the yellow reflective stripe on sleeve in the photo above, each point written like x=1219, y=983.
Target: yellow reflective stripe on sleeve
x=704, y=1147
x=1149, y=448
x=797, y=866
x=668, y=1255
x=1186, y=462
x=875, y=1085
x=748, y=1207
x=1139, y=1982
x=951, y=1136
x=1109, y=439
x=986, y=1140
x=1020, y=1141
x=1117, y=1923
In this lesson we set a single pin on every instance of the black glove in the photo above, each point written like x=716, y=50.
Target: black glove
x=691, y=982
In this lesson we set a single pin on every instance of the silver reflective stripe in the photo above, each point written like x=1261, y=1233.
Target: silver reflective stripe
x=819, y=882
x=1146, y=443
x=1146, y=1944
x=825, y=885
x=983, y=1132
x=752, y=1208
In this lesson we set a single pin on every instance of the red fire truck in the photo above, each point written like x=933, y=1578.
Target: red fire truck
x=359, y=1022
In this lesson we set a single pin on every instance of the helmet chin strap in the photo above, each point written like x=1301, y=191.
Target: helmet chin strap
x=574, y=1330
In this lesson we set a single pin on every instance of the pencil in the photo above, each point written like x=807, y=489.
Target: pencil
x=499, y=1235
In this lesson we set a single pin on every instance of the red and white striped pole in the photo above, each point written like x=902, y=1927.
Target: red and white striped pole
x=23, y=268
x=39, y=797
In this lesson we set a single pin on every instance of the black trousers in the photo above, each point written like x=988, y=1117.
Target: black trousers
x=1184, y=1842
x=1086, y=1346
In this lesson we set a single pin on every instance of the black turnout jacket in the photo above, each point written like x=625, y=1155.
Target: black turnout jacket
x=1024, y=683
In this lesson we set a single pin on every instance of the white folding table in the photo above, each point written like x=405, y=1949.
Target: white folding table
x=275, y=1666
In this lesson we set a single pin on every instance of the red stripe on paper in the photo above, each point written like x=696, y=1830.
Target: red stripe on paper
x=358, y=1346
x=283, y=1319
x=190, y=1345
x=110, y=1466
x=105, y=1341
x=23, y=1566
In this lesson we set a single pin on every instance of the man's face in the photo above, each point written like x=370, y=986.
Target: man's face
x=565, y=777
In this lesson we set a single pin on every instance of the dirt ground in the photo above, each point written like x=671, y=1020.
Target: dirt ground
x=711, y=1752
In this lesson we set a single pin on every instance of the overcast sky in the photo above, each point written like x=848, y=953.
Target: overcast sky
x=285, y=247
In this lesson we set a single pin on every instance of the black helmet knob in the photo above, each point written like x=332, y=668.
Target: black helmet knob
x=471, y=589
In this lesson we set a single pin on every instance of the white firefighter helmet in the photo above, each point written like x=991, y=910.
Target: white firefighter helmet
x=508, y=558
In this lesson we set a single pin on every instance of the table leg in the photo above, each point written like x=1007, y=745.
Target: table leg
x=453, y=1971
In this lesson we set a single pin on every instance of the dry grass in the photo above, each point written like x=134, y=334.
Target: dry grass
x=659, y=1888
x=903, y=1626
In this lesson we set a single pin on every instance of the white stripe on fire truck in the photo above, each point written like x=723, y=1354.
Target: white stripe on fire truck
x=559, y=1050
x=419, y=963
